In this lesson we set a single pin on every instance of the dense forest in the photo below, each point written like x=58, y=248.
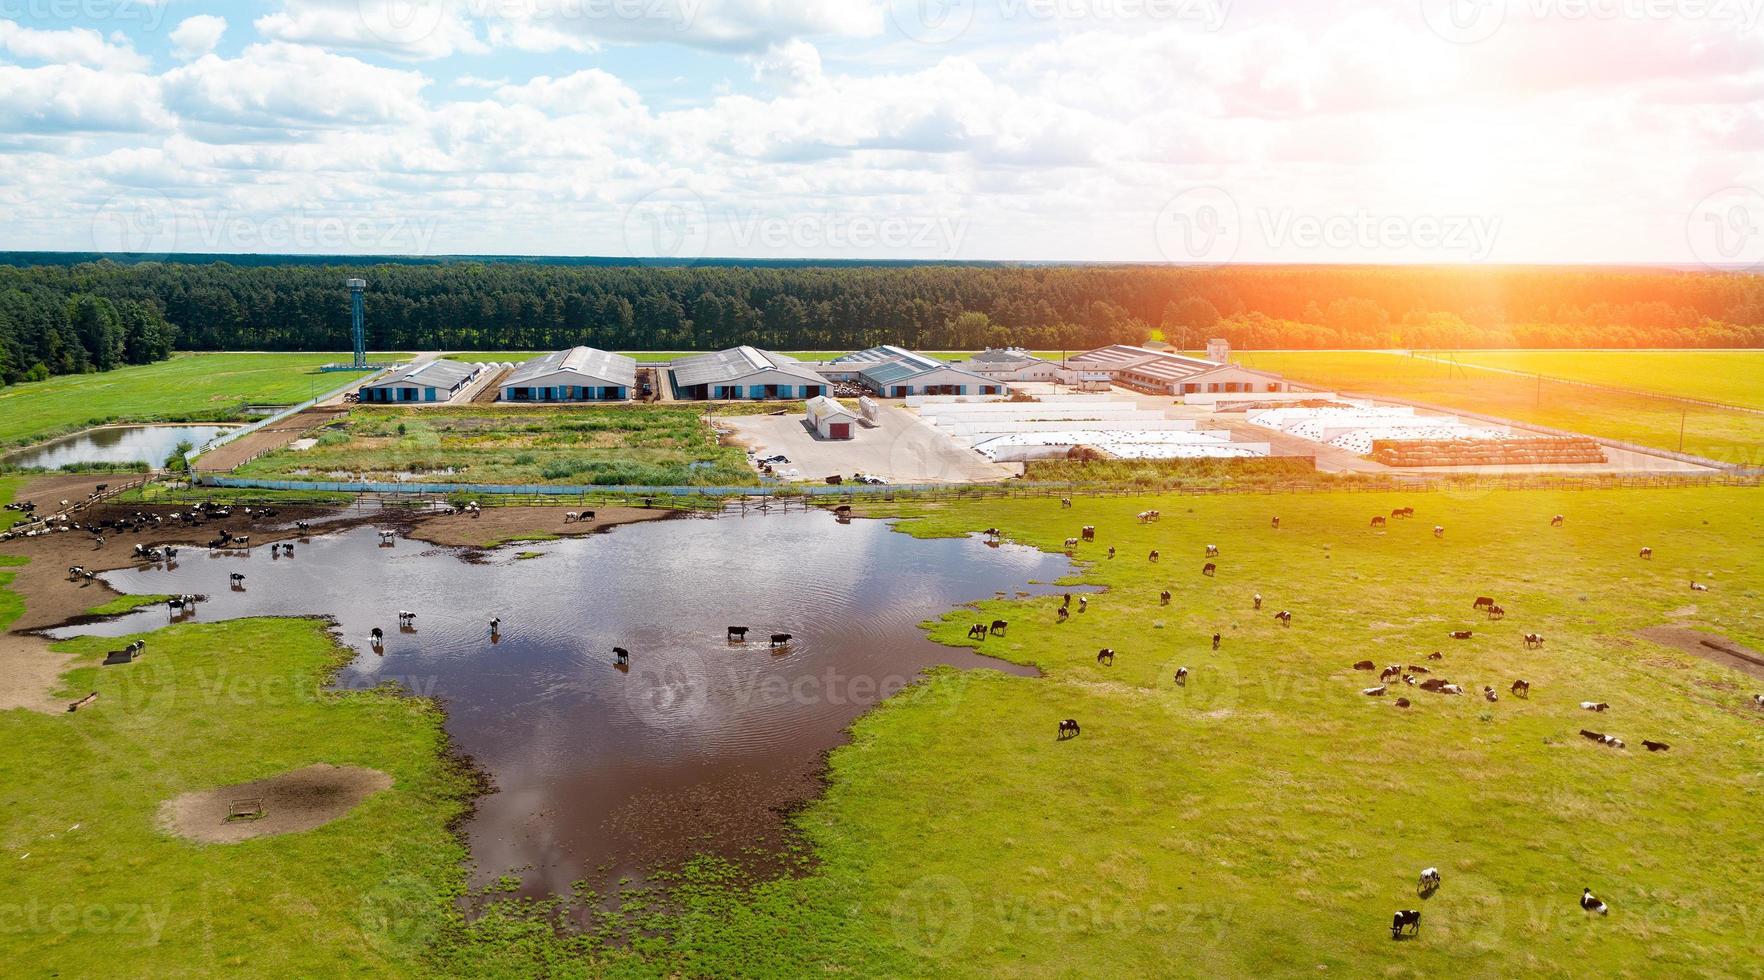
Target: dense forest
x=70, y=317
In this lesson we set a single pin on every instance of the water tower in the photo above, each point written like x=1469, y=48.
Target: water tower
x=356, y=286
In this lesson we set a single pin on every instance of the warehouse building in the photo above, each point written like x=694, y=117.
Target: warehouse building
x=1011, y=364
x=1165, y=373
x=830, y=419
x=580, y=374
x=436, y=381
x=744, y=373
x=896, y=372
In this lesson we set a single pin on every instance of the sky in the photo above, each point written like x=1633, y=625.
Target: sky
x=1187, y=131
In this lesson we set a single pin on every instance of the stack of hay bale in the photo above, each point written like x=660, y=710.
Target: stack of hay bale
x=1515, y=451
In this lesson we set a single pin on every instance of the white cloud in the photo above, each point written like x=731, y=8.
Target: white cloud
x=197, y=36
x=279, y=89
x=78, y=45
x=60, y=99
x=407, y=29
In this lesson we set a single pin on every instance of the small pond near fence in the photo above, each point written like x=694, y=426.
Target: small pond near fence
x=149, y=444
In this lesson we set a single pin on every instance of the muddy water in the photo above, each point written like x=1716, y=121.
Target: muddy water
x=149, y=444
x=699, y=743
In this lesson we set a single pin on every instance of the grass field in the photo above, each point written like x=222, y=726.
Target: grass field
x=1732, y=377
x=187, y=388
x=1719, y=434
x=635, y=444
x=1265, y=819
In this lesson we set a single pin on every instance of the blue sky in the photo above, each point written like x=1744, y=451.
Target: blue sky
x=1136, y=130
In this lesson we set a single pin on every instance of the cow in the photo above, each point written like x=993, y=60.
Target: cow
x=1257, y=600
x=1647, y=552
x=999, y=626
x=1111, y=551
x=1071, y=543
x=1275, y=524
x=1533, y=641
x=1069, y=728
x=238, y=580
x=1062, y=614
x=1083, y=603
x=377, y=636
x=1407, y=920
x=1483, y=602
x=1655, y=746
x=1390, y=673
x=1378, y=521
x=1164, y=597
x=1434, y=684
x=1451, y=689
x=738, y=634
x=1374, y=692
x=1696, y=587
x=1595, y=706
x=1436, y=655
x=1591, y=903
x=1153, y=556
x=1402, y=702
x=1417, y=669
x=1429, y=882
x=1439, y=530
x=1758, y=700
x=977, y=631
x=1365, y=665
x=1087, y=532
x=1215, y=641
x=1182, y=677
x=1497, y=612
x=1106, y=655
x=1209, y=569
x=1066, y=503
x=780, y=639
x=1285, y=618
x=1488, y=694
x=1558, y=521
x=621, y=655
x=1462, y=634
x=1212, y=551
x=1521, y=688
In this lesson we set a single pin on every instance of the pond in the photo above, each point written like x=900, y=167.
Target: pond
x=149, y=444
x=700, y=743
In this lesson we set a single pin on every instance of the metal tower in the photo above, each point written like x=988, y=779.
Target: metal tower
x=355, y=317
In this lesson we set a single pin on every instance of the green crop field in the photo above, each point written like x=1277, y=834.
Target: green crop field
x=1266, y=818
x=1733, y=377
x=1715, y=433
x=189, y=387
x=647, y=445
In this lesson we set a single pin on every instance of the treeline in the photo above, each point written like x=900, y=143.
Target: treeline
x=46, y=330
x=489, y=305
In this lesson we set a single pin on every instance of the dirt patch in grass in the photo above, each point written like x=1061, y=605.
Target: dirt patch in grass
x=291, y=802
x=29, y=673
x=499, y=525
x=1726, y=652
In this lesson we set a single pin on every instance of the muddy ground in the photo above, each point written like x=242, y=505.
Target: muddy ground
x=291, y=802
x=1726, y=652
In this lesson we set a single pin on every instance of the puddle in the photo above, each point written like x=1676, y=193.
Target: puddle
x=149, y=444
x=700, y=745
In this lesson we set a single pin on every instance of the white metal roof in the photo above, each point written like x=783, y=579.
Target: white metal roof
x=821, y=408
x=434, y=374
x=583, y=363
x=735, y=363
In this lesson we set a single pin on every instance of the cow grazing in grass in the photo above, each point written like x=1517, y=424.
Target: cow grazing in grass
x=1436, y=655
x=1521, y=688
x=1647, y=552
x=1402, y=702
x=1182, y=677
x=1215, y=641
x=1462, y=634
x=1595, y=706
x=1390, y=673
x=1209, y=569
x=1558, y=521
x=1212, y=551
x=1439, y=530
x=1071, y=543
x=1488, y=694
x=999, y=626
x=1655, y=746
x=1591, y=903
x=1257, y=600
x=1415, y=669
x=1483, y=602
x=1153, y=556
x=1406, y=921
x=1534, y=641
x=1275, y=524
x=977, y=631
x=1083, y=603
x=1106, y=656
x=1497, y=612
x=1378, y=521
x=1365, y=665
x=1062, y=614
x=1087, y=532
x=1434, y=684
x=1285, y=618
x=1066, y=502
x=1429, y=882
x=1697, y=587
x=1164, y=597
x=1069, y=728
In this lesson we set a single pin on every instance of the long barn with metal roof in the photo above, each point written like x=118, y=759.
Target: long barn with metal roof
x=1166, y=373
x=580, y=374
x=745, y=373
x=896, y=372
x=435, y=381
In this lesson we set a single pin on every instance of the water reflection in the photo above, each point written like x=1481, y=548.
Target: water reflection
x=700, y=742
x=149, y=444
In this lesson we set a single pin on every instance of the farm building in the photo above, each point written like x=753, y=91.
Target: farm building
x=1164, y=373
x=436, y=381
x=744, y=372
x=831, y=419
x=1010, y=364
x=580, y=374
x=896, y=372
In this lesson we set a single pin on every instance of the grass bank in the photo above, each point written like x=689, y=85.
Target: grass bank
x=186, y=388
x=627, y=444
x=1733, y=377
